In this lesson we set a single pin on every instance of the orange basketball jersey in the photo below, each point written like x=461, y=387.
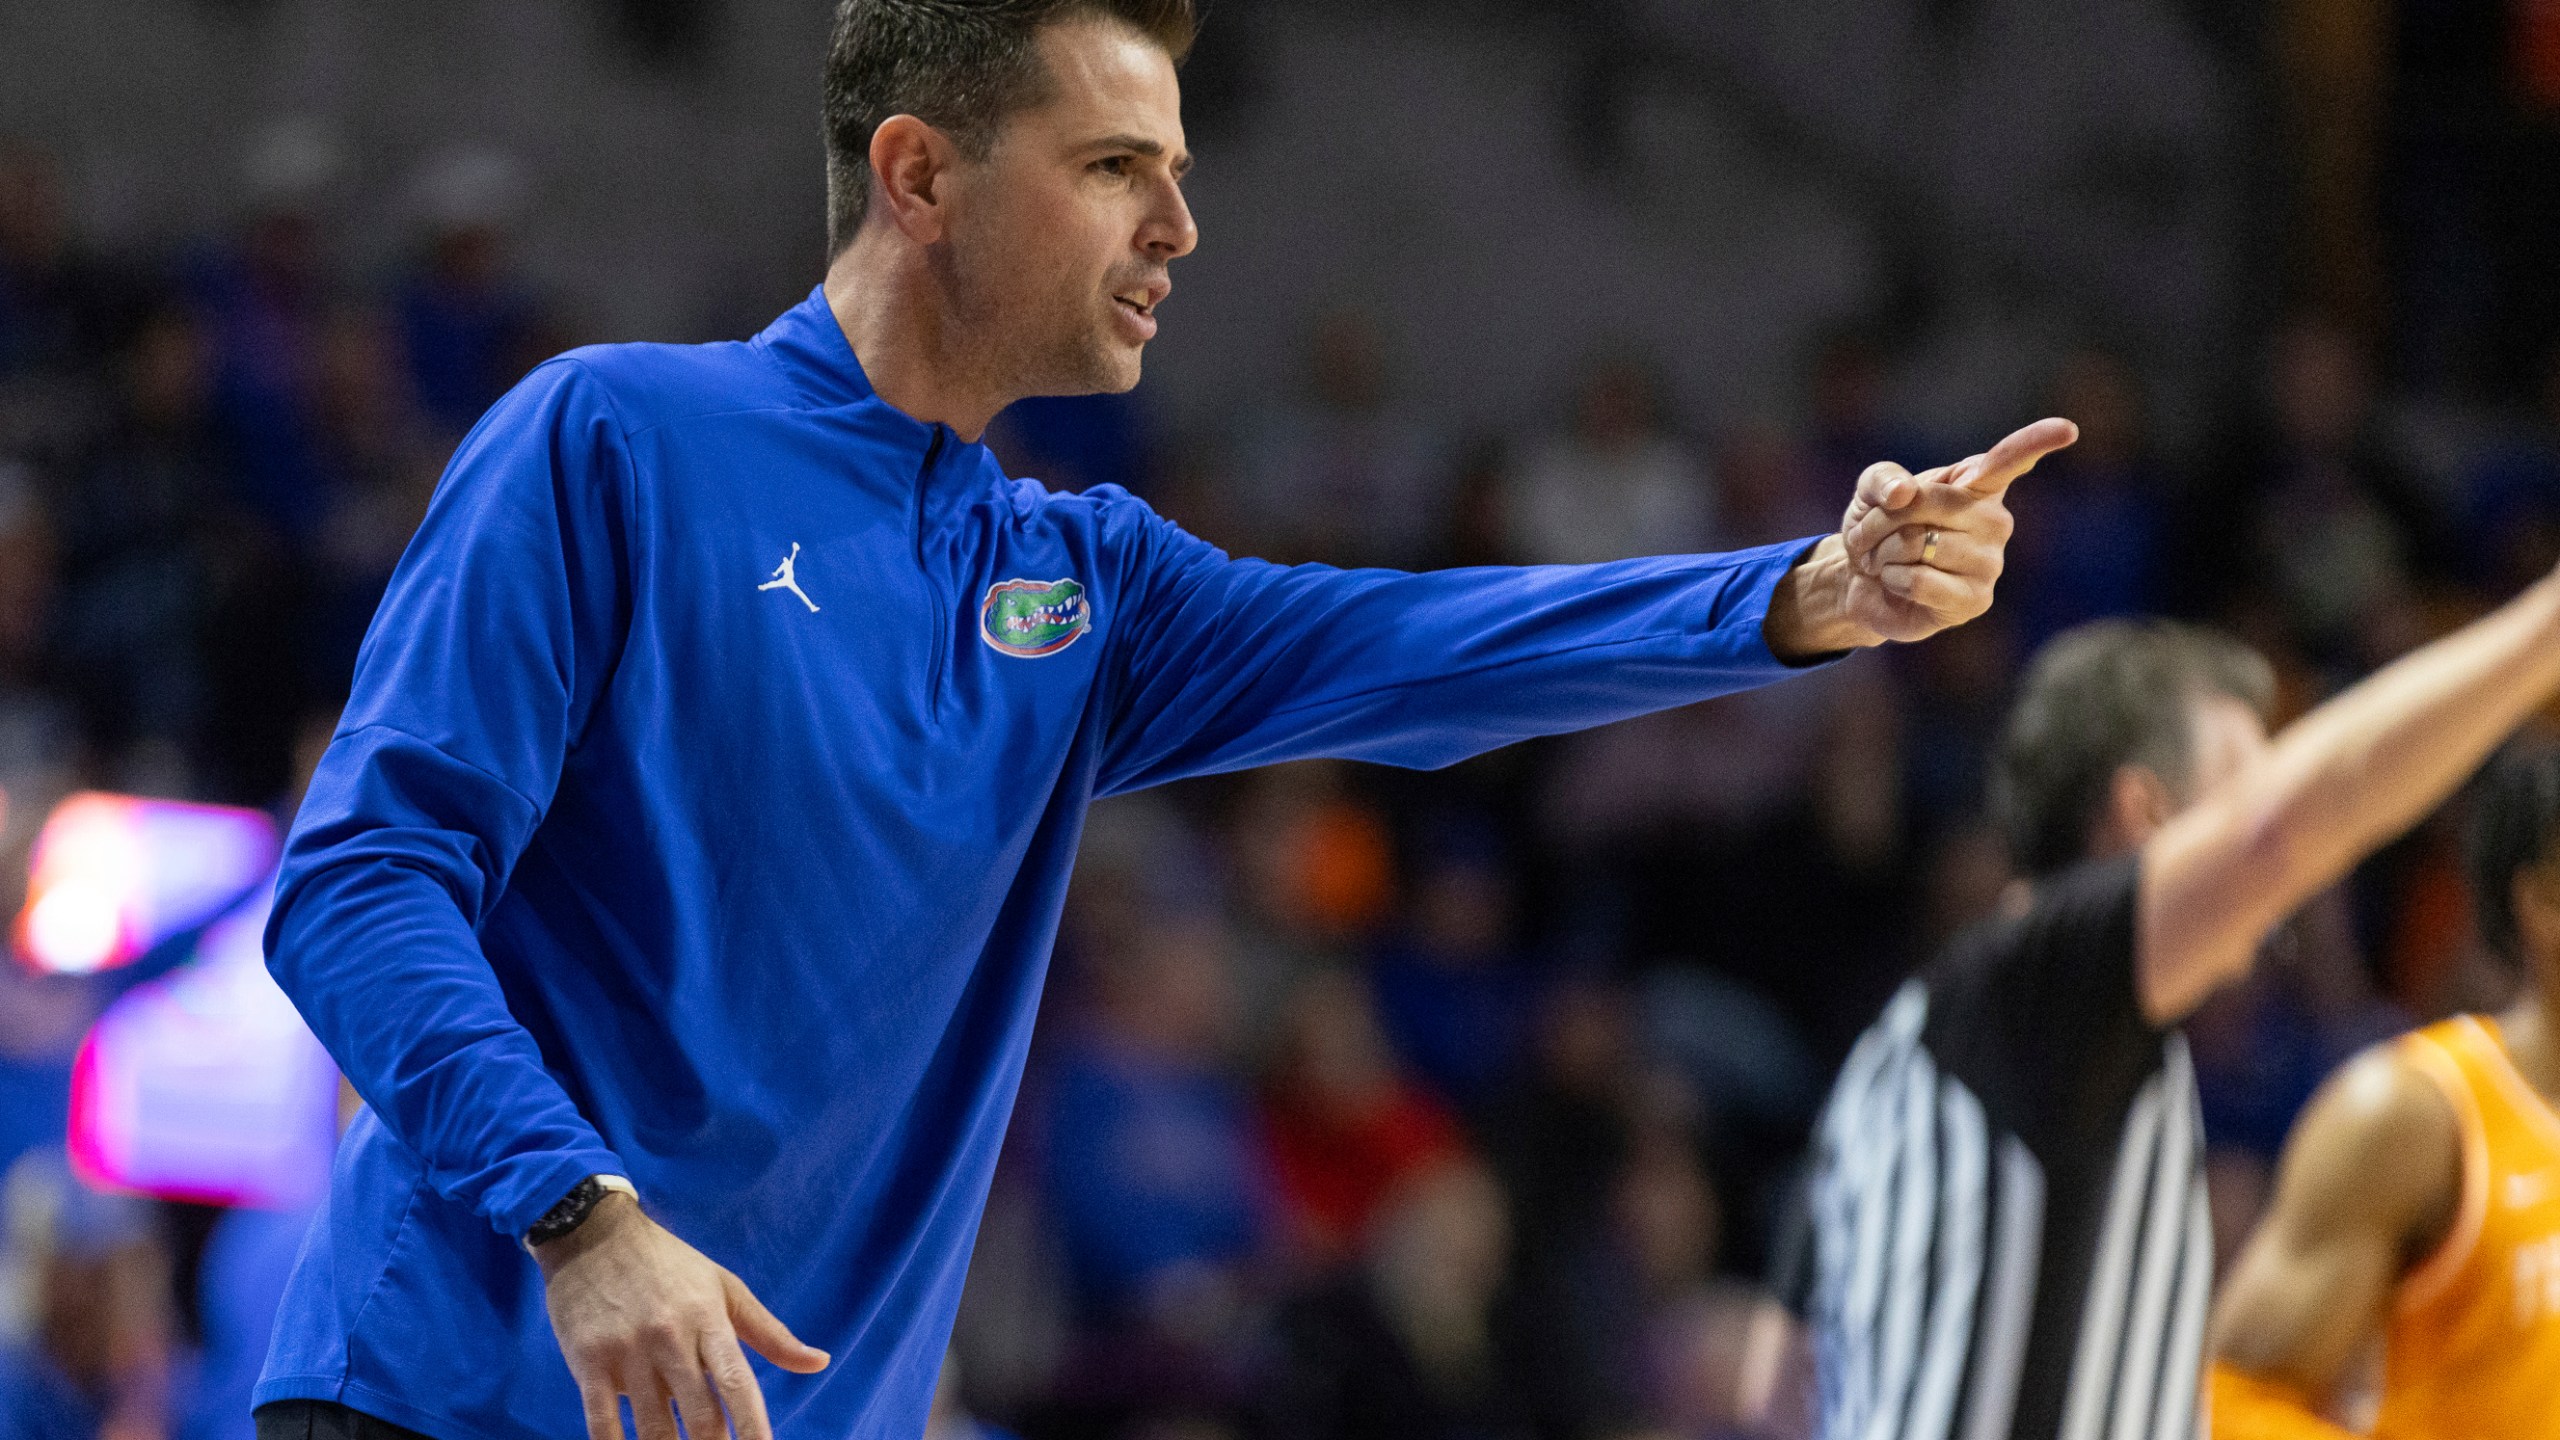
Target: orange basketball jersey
x=2473, y=1347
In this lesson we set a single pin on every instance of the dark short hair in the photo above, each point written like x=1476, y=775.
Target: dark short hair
x=961, y=66
x=2098, y=698
x=2515, y=818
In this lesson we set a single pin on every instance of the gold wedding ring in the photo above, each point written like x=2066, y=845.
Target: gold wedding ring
x=1929, y=548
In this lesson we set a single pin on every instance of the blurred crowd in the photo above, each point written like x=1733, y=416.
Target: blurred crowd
x=1370, y=1103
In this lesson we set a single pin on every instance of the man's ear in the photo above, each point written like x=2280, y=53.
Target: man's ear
x=2138, y=803
x=910, y=163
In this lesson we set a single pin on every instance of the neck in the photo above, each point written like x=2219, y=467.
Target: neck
x=2531, y=1030
x=895, y=307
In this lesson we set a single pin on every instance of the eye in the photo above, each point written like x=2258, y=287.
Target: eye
x=1116, y=165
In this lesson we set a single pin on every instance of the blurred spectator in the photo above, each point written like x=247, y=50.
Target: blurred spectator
x=1153, y=1182
x=91, y=1355
x=1734, y=1051
x=1736, y=834
x=138, y=527
x=1657, y=1249
x=1341, y=1125
x=2089, y=523
x=381, y=464
x=1452, y=992
x=63, y=313
x=1338, y=473
x=1562, y=1132
x=1650, y=1339
x=49, y=310
x=1413, y=1344
x=1315, y=873
x=2338, y=526
x=469, y=328
x=266, y=299
x=1316, y=853
x=1619, y=483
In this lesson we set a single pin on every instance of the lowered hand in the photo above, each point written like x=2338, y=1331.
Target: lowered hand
x=642, y=1314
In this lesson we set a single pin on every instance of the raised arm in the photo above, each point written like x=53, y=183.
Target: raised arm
x=2336, y=785
x=1230, y=663
x=2369, y=1185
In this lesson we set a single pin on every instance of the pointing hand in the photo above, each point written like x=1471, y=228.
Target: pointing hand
x=1916, y=554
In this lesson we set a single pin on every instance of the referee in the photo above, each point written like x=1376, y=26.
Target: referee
x=2009, y=1210
x=678, y=888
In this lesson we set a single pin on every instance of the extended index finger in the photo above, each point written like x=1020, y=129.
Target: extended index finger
x=2018, y=454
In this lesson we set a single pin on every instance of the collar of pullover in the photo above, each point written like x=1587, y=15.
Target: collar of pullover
x=811, y=350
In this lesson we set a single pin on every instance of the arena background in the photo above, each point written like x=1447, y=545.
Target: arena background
x=1486, y=1088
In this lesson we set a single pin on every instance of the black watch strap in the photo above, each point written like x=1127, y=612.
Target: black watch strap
x=574, y=1208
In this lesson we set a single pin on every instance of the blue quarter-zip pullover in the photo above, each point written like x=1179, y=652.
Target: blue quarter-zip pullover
x=703, y=814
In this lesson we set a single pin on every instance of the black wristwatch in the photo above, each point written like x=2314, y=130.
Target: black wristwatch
x=575, y=1207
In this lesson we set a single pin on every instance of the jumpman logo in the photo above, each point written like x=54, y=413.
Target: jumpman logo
x=785, y=577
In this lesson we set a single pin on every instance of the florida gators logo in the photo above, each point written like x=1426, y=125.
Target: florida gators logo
x=1032, y=618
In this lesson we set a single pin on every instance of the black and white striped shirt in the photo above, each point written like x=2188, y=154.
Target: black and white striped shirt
x=2011, y=1239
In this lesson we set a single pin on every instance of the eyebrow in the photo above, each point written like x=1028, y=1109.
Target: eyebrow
x=1149, y=148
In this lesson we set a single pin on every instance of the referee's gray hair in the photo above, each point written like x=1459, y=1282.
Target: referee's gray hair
x=2097, y=698
x=961, y=66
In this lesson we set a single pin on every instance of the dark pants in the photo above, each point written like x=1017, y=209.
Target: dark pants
x=324, y=1420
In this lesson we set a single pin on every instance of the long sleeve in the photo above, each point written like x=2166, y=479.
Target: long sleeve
x=1233, y=663
x=479, y=672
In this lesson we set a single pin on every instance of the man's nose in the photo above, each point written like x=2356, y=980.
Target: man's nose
x=1170, y=233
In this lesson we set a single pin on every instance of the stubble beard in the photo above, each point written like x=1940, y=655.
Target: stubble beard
x=1078, y=355
x=1062, y=346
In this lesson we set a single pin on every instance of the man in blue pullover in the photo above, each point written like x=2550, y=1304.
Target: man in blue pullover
x=678, y=888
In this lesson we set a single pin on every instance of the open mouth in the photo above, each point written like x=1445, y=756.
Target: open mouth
x=1140, y=301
